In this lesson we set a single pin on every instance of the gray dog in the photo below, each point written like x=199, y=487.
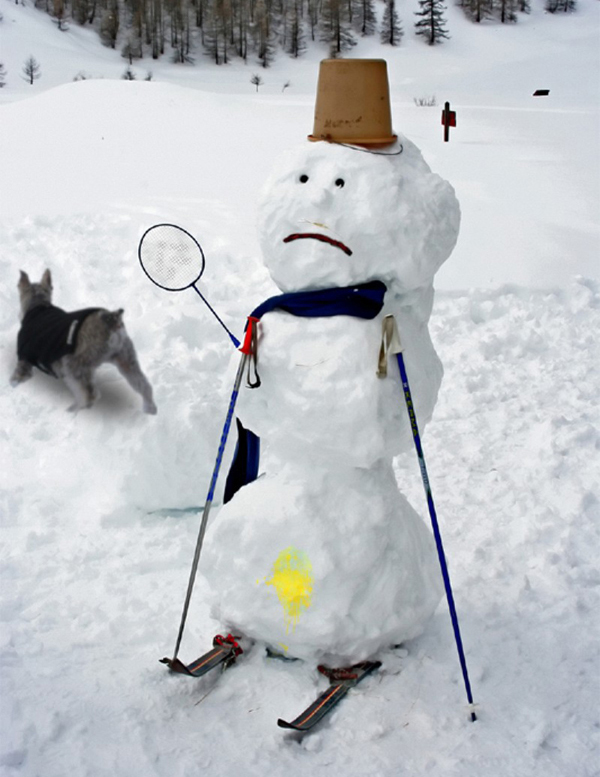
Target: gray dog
x=72, y=345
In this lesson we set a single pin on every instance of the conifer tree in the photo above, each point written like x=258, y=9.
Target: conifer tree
x=132, y=48
x=80, y=11
x=199, y=7
x=335, y=27
x=314, y=8
x=294, y=40
x=31, y=69
x=181, y=42
x=364, y=19
x=263, y=32
x=59, y=12
x=155, y=27
x=391, y=29
x=135, y=18
x=92, y=7
x=2, y=75
x=478, y=10
x=431, y=24
x=240, y=11
x=507, y=10
x=560, y=5
x=109, y=26
x=218, y=28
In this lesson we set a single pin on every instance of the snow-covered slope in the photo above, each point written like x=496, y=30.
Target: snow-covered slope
x=96, y=556
x=525, y=169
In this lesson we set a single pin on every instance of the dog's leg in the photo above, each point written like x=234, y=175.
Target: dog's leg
x=80, y=384
x=23, y=371
x=127, y=363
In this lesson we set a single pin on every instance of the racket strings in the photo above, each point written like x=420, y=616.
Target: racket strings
x=171, y=258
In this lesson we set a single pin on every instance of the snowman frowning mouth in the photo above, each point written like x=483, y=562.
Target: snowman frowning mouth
x=318, y=236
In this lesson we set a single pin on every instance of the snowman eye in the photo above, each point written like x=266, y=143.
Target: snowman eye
x=340, y=182
x=303, y=178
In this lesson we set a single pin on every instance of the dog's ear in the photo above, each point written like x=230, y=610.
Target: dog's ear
x=24, y=282
x=47, y=280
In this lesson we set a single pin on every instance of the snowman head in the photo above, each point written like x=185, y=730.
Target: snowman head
x=331, y=215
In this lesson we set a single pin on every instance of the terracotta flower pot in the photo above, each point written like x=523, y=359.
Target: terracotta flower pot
x=353, y=103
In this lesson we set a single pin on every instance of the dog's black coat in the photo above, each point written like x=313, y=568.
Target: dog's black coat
x=48, y=333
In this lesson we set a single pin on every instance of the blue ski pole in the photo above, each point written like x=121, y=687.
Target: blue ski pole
x=394, y=345
x=246, y=351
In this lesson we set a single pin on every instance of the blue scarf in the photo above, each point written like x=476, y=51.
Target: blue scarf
x=364, y=300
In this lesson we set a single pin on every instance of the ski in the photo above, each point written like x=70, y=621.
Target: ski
x=341, y=681
x=224, y=652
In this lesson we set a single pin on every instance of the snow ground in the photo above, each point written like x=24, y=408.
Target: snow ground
x=95, y=554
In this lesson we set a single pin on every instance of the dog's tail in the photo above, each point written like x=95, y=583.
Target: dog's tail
x=113, y=318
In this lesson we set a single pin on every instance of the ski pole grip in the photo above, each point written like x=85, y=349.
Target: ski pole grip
x=247, y=346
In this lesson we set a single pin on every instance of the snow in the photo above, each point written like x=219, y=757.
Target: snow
x=96, y=552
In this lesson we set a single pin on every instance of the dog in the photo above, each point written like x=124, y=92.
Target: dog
x=72, y=346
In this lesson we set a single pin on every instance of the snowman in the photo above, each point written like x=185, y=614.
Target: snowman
x=322, y=557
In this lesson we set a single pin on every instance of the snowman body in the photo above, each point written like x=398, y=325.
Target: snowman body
x=322, y=557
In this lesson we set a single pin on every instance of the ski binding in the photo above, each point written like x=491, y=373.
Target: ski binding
x=225, y=650
x=341, y=681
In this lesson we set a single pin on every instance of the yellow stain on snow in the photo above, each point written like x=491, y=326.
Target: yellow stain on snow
x=293, y=582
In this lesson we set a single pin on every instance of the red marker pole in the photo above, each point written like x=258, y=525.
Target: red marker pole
x=448, y=120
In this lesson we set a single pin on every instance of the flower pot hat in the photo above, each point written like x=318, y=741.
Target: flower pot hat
x=353, y=103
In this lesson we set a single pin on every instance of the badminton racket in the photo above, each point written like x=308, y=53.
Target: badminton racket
x=174, y=261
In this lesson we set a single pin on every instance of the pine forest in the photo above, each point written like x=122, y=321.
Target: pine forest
x=191, y=31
